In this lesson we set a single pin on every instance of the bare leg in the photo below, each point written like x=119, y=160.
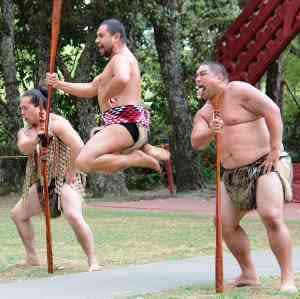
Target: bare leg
x=21, y=215
x=115, y=162
x=156, y=152
x=237, y=242
x=270, y=208
x=102, y=152
x=72, y=207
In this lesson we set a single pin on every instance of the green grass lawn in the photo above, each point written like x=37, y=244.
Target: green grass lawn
x=123, y=238
x=269, y=290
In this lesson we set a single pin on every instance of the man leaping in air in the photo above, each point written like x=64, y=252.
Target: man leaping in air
x=122, y=140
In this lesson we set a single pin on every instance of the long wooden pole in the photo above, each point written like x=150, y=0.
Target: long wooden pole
x=219, y=239
x=55, y=29
x=44, y=169
x=56, y=16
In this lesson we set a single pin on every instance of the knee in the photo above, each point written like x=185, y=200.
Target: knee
x=74, y=219
x=272, y=220
x=83, y=164
x=227, y=229
x=15, y=215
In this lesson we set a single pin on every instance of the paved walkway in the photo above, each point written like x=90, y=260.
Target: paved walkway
x=136, y=280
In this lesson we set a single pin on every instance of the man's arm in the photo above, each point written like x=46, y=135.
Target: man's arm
x=120, y=77
x=202, y=135
x=27, y=140
x=260, y=104
x=83, y=90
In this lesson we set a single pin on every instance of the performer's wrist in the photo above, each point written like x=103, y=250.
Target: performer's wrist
x=59, y=85
x=276, y=147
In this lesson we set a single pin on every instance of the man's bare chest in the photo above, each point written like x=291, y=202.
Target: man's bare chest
x=236, y=114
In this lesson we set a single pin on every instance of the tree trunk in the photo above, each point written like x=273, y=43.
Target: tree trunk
x=98, y=183
x=10, y=116
x=165, y=32
x=11, y=170
x=274, y=87
x=42, y=40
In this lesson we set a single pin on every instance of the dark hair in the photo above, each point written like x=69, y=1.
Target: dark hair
x=115, y=26
x=38, y=96
x=217, y=68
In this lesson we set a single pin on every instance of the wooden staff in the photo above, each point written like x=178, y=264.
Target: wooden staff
x=219, y=240
x=44, y=121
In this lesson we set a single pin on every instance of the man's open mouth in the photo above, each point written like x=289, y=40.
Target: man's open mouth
x=200, y=90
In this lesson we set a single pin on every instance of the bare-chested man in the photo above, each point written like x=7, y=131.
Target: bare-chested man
x=122, y=141
x=251, y=140
x=65, y=182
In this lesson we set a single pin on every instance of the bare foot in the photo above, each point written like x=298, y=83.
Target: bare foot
x=244, y=281
x=29, y=262
x=288, y=288
x=156, y=152
x=140, y=159
x=95, y=267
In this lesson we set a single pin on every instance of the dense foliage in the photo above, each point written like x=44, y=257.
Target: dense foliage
x=197, y=26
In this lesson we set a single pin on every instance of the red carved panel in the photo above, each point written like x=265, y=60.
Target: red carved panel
x=257, y=37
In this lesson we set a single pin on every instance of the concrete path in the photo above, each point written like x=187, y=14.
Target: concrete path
x=136, y=280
